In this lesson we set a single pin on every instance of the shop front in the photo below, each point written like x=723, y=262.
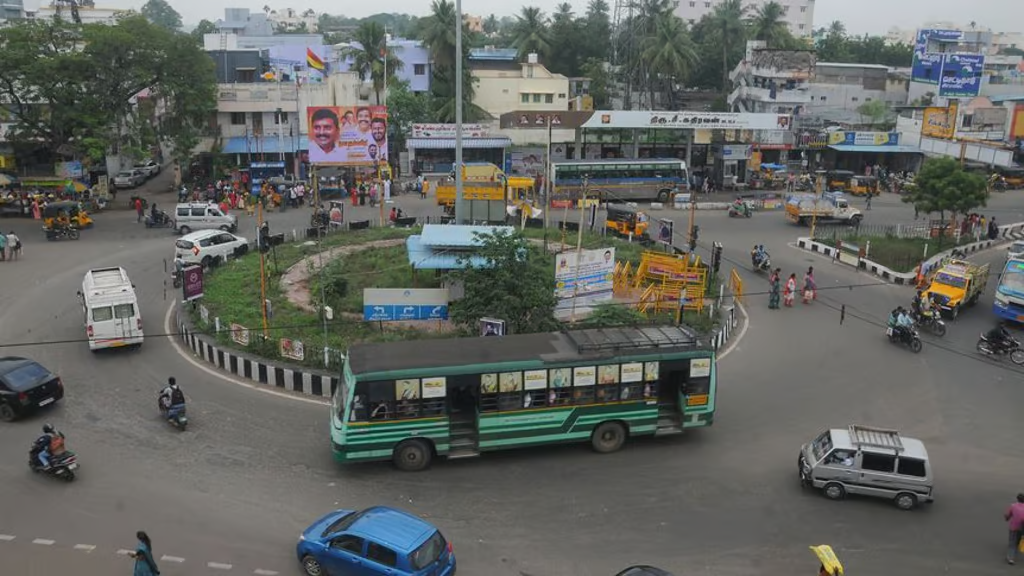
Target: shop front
x=860, y=152
x=432, y=147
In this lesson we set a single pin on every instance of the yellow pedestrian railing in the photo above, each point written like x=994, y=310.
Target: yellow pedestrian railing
x=736, y=285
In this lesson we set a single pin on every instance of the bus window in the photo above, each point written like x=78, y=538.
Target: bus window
x=359, y=412
x=488, y=392
x=510, y=391
x=407, y=393
x=381, y=400
x=608, y=383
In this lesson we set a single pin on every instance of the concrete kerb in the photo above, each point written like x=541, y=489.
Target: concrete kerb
x=287, y=377
x=1007, y=233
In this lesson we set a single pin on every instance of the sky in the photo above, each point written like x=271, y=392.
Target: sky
x=860, y=16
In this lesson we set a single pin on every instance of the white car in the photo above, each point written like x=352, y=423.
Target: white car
x=149, y=168
x=1015, y=250
x=129, y=178
x=209, y=247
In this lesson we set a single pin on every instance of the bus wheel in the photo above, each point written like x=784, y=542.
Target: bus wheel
x=412, y=456
x=608, y=437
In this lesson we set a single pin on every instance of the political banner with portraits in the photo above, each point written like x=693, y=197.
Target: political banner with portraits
x=348, y=135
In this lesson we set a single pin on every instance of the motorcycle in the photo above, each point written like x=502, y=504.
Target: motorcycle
x=62, y=465
x=176, y=279
x=162, y=220
x=932, y=323
x=1011, y=349
x=737, y=212
x=761, y=265
x=175, y=414
x=908, y=336
x=61, y=232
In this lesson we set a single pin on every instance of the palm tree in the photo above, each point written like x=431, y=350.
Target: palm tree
x=668, y=52
x=727, y=20
x=372, y=57
x=837, y=28
x=438, y=32
x=491, y=25
x=531, y=32
x=767, y=24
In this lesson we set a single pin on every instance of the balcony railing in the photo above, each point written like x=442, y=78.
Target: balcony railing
x=256, y=93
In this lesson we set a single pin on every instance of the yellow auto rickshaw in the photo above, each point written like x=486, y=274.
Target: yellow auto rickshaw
x=830, y=565
x=1014, y=177
x=625, y=220
x=864, y=186
x=839, y=179
x=67, y=212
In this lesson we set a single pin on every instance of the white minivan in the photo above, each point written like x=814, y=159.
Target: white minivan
x=112, y=316
x=202, y=216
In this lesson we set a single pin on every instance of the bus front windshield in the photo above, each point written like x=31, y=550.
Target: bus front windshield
x=1013, y=279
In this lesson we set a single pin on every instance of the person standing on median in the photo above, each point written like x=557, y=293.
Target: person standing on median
x=1015, y=519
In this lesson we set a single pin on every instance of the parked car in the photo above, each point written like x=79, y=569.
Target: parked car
x=150, y=168
x=378, y=540
x=25, y=385
x=210, y=247
x=129, y=178
x=286, y=180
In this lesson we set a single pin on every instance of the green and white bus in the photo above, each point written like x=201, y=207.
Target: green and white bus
x=414, y=400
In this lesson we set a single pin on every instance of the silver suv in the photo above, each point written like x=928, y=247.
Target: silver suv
x=869, y=461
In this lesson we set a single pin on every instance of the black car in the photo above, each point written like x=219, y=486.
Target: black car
x=26, y=385
x=643, y=571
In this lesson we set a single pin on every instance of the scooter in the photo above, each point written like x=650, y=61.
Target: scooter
x=763, y=265
x=175, y=414
x=735, y=212
x=1011, y=349
x=908, y=336
x=61, y=466
x=162, y=220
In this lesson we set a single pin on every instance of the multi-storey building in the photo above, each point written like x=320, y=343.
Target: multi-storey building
x=799, y=14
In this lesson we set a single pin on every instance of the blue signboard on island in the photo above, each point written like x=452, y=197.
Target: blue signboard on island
x=961, y=75
x=402, y=304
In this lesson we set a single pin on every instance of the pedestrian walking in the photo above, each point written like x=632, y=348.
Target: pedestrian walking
x=3, y=247
x=810, y=286
x=13, y=245
x=773, y=289
x=145, y=564
x=869, y=200
x=138, y=210
x=1015, y=518
x=790, y=292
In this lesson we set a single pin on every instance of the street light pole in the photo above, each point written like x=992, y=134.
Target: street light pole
x=459, y=208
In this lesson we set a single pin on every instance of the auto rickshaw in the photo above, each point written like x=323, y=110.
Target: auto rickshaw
x=72, y=211
x=830, y=565
x=521, y=195
x=864, y=186
x=839, y=179
x=1014, y=177
x=625, y=220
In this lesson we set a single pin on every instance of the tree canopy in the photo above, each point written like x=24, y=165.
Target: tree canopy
x=517, y=285
x=944, y=186
x=81, y=90
x=160, y=13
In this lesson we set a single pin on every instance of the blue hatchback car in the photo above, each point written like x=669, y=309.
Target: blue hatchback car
x=378, y=540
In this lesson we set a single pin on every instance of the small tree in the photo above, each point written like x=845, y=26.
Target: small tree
x=943, y=186
x=608, y=315
x=516, y=284
x=874, y=111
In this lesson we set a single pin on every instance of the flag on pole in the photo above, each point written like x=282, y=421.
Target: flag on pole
x=314, y=61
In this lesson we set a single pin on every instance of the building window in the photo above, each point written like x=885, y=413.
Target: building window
x=707, y=4
x=802, y=26
x=803, y=8
x=867, y=99
x=524, y=98
x=283, y=118
x=693, y=4
x=823, y=98
x=561, y=95
x=419, y=69
x=536, y=98
x=238, y=118
x=549, y=98
x=785, y=9
x=854, y=99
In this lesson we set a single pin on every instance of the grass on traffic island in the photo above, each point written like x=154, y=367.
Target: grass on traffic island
x=898, y=254
x=232, y=292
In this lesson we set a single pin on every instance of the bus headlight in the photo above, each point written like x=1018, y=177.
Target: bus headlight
x=1002, y=301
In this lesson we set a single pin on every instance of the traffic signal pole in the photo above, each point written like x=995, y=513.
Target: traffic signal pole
x=263, y=274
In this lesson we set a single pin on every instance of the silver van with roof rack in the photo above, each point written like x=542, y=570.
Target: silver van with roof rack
x=868, y=461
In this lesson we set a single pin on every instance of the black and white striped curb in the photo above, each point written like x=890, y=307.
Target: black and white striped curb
x=720, y=336
x=91, y=548
x=259, y=370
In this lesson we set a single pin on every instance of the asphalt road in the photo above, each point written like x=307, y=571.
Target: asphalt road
x=254, y=469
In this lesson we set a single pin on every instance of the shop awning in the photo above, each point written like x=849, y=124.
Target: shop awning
x=901, y=149
x=449, y=143
x=264, y=145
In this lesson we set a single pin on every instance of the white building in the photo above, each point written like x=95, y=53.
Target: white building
x=291, y=19
x=799, y=13
x=88, y=14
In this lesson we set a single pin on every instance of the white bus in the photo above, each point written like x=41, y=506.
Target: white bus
x=620, y=179
x=112, y=316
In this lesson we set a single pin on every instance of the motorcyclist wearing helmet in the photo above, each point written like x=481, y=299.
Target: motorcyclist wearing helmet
x=999, y=337
x=915, y=304
x=41, y=447
x=171, y=395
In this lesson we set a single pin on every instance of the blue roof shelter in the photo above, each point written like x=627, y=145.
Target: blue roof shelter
x=440, y=246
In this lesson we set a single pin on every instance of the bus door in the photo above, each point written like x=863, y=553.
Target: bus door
x=464, y=407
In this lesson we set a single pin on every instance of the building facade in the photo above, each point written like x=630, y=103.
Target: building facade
x=504, y=84
x=290, y=19
x=12, y=9
x=415, y=57
x=88, y=14
x=799, y=14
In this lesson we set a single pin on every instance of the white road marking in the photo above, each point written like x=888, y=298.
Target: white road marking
x=218, y=566
x=263, y=572
x=170, y=328
x=44, y=542
x=85, y=547
x=177, y=559
x=124, y=552
x=6, y=537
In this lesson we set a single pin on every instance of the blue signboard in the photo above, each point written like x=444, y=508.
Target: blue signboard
x=392, y=313
x=927, y=65
x=961, y=75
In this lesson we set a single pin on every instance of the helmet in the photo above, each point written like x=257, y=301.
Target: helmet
x=171, y=381
x=48, y=429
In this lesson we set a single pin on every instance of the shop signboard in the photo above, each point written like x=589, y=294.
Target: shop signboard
x=586, y=277
x=448, y=131
x=939, y=121
x=642, y=119
x=348, y=135
x=961, y=75
x=863, y=139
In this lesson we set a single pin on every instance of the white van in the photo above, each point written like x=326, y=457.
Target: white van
x=202, y=216
x=112, y=316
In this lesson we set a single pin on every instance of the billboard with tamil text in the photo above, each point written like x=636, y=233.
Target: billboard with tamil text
x=348, y=135
x=961, y=75
x=927, y=65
